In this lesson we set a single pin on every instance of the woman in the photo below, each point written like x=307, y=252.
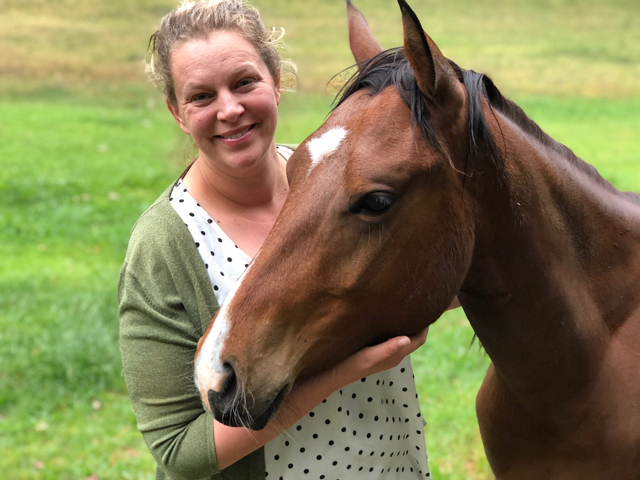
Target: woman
x=221, y=75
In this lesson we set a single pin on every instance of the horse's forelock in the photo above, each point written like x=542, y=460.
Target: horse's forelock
x=391, y=68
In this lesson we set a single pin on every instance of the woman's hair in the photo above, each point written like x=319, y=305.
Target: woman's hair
x=196, y=20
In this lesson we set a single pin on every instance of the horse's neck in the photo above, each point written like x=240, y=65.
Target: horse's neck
x=555, y=267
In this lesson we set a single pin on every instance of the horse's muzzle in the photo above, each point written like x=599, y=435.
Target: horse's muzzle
x=229, y=406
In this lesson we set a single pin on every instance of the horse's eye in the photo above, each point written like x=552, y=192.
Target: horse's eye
x=372, y=204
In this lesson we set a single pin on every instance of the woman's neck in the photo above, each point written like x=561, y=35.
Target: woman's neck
x=265, y=187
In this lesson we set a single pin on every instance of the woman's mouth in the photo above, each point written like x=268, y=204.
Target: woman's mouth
x=238, y=134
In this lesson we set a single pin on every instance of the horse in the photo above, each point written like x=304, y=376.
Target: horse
x=426, y=183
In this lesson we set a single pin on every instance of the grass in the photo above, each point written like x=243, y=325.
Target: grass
x=86, y=146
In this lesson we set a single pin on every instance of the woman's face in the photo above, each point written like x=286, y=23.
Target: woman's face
x=227, y=101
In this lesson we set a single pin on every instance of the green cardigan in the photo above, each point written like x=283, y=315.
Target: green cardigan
x=166, y=303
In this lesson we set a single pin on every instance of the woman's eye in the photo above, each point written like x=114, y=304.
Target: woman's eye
x=245, y=82
x=373, y=204
x=200, y=97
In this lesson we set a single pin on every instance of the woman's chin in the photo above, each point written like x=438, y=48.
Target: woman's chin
x=244, y=163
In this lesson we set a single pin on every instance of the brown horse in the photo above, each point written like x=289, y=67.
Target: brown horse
x=423, y=184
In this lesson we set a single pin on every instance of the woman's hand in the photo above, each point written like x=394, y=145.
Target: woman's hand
x=234, y=443
x=377, y=358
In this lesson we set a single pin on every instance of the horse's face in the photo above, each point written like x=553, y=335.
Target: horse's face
x=372, y=242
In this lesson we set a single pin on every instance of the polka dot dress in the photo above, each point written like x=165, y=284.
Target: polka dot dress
x=369, y=429
x=222, y=258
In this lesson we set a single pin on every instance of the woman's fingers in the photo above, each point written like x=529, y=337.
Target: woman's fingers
x=380, y=357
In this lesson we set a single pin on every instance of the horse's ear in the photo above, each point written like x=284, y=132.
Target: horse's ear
x=362, y=42
x=434, y=74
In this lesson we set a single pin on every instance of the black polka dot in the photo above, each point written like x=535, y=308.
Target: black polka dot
x=209, y=221
x=229, y=259
x=192, y=215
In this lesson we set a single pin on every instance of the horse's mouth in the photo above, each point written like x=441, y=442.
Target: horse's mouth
x=245, y=419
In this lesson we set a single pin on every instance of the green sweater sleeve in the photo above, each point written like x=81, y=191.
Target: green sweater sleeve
x=163, y=312
x=165, y=305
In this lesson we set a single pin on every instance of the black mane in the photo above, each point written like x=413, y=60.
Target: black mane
x=391, y=68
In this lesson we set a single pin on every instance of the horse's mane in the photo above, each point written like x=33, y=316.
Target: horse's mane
x=391, y=68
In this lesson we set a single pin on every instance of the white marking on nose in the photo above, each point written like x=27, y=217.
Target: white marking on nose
x=210, y=374
x=324, y=145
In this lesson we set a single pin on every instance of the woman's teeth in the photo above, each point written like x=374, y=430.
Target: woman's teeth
x=238, y=135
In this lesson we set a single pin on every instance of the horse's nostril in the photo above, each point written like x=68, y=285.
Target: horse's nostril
x=227, y=385
x=222, y=402
x=230, y=383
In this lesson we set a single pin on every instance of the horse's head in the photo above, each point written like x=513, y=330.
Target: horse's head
x=373, y=240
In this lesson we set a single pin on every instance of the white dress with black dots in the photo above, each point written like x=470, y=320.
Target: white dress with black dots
x=369, y=429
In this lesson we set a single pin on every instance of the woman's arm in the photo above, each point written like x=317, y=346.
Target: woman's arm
x=234, y=443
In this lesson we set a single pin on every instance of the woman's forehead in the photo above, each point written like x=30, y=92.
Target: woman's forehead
x=222, y=52
x=219, y=46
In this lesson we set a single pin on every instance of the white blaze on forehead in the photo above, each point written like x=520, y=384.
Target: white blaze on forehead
x=325, y=144
x=209, y=370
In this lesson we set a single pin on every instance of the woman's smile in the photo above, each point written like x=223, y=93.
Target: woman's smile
x=237, y=136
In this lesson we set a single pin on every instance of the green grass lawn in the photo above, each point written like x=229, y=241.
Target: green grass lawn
x=86, y=146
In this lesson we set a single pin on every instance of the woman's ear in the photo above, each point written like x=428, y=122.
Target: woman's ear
x=277, y=88
x=176, y=114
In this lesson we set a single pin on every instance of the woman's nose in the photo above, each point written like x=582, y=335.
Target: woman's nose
x=229, y=108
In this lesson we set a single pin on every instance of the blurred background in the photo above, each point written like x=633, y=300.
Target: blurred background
x=86, y=144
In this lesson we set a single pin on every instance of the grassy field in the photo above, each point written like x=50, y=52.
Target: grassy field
x=86, y=146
